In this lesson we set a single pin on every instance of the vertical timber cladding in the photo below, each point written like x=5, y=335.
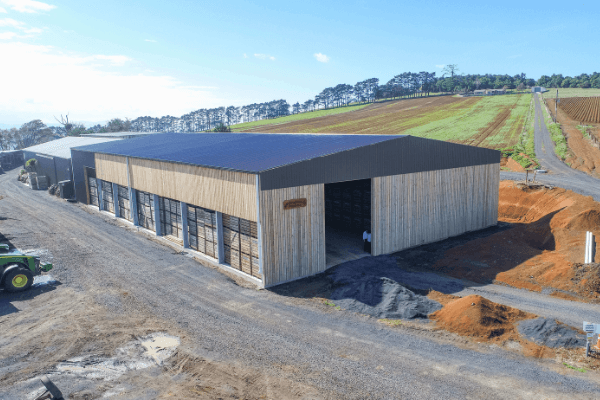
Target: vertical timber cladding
x=202, y=230
x=413, y=209
x=293, y=240
x=145, y=209
x=229, y=192
x=107, y=196
x=170, y=217
x=240, y=244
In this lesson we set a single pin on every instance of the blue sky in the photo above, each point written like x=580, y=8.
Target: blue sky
x=104, y=59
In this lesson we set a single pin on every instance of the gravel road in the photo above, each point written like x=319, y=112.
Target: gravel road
x=342, y=354
x=560, y=174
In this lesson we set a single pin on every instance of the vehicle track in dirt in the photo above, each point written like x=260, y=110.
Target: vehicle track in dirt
x=341, y=354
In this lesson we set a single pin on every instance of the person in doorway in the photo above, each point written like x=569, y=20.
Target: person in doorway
x=367, y=241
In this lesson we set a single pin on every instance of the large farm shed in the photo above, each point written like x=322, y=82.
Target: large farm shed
x=54, y=157
x=278, y=207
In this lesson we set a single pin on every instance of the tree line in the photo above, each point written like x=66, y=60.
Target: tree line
x=404, y=85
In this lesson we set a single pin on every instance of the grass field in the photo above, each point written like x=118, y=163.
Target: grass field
x=571, y=92
x=296, y=117
x=494, y=121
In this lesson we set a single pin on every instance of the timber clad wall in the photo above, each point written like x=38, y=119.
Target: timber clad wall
x=413, y=209
x=293, y=241
x=226, y=191
x=111, y=168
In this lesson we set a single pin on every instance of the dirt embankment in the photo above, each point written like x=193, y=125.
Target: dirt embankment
x=507, y=163
x=543, y=250
x=586, y=155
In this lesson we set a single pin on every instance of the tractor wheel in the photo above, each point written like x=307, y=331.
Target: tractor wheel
x=18, y=280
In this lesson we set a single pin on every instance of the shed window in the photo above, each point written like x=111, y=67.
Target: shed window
x=145, y=209
x=107, y=197
x=240, y=242
x=93, y=187
x=170, y=217
x=202, y=230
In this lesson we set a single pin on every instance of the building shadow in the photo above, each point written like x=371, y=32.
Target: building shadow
x=423, y=268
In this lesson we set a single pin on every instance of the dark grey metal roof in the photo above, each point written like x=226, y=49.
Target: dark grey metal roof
x=246, y=152
x=288, y=160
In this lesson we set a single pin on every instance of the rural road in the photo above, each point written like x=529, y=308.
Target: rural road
x=560, y=174
x=341, y=354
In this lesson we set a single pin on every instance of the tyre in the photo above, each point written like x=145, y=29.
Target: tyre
x=18, y=280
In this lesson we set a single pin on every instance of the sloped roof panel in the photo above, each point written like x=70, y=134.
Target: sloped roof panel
x=247, y=152
x=62, y=147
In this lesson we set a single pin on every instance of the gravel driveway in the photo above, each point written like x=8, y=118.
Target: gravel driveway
x=560, y=174
x=342, y=354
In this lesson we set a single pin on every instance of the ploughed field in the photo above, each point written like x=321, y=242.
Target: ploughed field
x=579, y=119
x=492, y=122
x=583, y=109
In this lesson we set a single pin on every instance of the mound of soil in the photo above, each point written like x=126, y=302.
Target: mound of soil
x=383, y=298
x=550, y=333
x=478, y=317
x=542, y=249
x=514, y=166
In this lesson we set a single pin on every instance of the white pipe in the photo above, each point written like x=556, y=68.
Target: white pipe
x=587, y=242
x=587, y=247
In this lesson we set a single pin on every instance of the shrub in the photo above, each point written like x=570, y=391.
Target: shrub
x=31, y=164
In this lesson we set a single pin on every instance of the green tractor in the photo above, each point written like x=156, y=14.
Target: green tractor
x=17, y=270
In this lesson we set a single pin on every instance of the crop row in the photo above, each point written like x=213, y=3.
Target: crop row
x=582, y=109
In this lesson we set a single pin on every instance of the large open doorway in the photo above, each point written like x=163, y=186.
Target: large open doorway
x=347, y=216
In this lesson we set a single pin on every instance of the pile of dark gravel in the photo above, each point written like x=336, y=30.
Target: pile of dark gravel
x=383, y=298
x=377, y=286
x=548, y=332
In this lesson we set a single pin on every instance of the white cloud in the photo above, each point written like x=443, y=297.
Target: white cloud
x=27, y=6
x=440, y=65
x=245, y=55
x=115, y=60
x=150, y=40
x=7, y=35
x=9, y=22
x=2, y=10
x=59, y=82
x=321, y=57
x=12, y=23
x=264, y=56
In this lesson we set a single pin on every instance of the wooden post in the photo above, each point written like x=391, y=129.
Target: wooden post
x=534, y=174
x=527, y=177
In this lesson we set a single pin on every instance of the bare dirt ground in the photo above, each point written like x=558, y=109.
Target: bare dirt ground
x=586, y=156
x=116, y=285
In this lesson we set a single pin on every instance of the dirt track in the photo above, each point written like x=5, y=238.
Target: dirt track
x=236, y=341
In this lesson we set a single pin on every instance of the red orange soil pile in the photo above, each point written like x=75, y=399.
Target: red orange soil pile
x=477, y=317
x=511, y=165
x=543, y=249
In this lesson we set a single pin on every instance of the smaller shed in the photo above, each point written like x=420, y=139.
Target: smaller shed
x=538, y=89
x=10, y=159
x=480, y=92
x=54, y=157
